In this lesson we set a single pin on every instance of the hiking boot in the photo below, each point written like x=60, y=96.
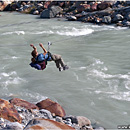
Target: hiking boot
x=60, y=69
x=65, y=67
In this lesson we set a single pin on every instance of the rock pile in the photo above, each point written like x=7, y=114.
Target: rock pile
x=47, y=114
x=102, y=12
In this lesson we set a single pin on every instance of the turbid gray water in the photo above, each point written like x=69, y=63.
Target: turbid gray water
x=97, y=84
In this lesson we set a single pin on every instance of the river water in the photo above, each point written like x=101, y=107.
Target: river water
x=97, y=84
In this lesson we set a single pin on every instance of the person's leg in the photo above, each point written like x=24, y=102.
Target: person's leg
x=59, y=62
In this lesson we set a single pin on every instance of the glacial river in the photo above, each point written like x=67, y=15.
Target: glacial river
x=97, y=83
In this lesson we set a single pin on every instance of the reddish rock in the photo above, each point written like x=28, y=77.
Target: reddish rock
x=23, y=103
x=82, y=7
x=93, y=7
x=103, y=5
x=3, y=5
x=46, y=4
x=51, y=106
x=7, y=111
x=46, y=124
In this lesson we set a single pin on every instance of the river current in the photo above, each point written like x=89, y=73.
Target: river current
x=97, y=83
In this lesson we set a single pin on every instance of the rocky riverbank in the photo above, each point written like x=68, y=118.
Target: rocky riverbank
x=102, y=12
x=18, y=114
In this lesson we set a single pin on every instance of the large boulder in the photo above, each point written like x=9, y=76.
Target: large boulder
x=103, y=5
x=51, y=106
x=46, y=124
x=3, y=5
x=8, y=111
x=23, y=103
x=51, y=12
x=81, y=8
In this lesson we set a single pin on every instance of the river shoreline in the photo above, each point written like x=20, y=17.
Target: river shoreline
x=46, y=114
x=107, y=12
x=77, y=16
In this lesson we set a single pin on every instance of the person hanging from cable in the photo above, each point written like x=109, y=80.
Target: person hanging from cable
x=39, y=61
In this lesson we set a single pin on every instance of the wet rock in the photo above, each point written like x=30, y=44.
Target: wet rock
x=51, y=12
x=23, y=103
x=51, y=106
x=8, y=111
x=46, y=124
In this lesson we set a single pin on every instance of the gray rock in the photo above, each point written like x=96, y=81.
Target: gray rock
x=71, y=18
x=14, y=126
x=118, y=17
x=28, y=115
x=84, y=122
x=126, y=23
x=106, y=19
x=46, y=113
x=73, y=119
x=128, y=16
x=47, y=13
x=6, y=124
x=127, y=2
x=51, y=12
x=59, y=119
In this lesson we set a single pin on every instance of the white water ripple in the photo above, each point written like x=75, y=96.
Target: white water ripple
x=75, y=32
x=10, y=78
x=15, y=81
x=15, y=32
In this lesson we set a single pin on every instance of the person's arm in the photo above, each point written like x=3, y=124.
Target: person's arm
x=45, y=51
x=33, y=47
